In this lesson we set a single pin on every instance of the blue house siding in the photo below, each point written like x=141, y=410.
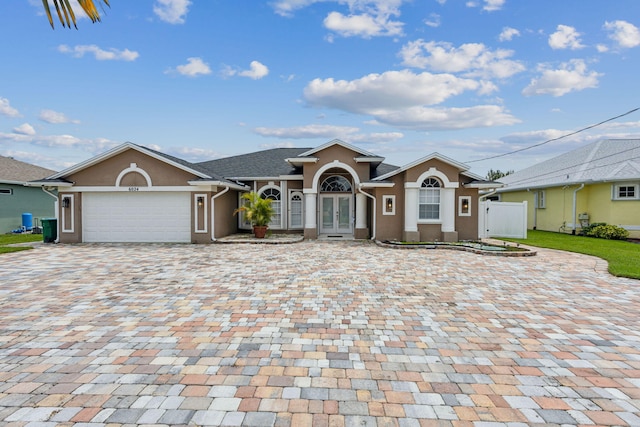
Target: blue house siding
x=22, y=200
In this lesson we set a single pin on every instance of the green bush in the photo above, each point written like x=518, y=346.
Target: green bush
x=585, y=231
x=611, y=232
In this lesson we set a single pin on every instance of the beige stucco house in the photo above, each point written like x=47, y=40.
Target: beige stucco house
x=135, y=194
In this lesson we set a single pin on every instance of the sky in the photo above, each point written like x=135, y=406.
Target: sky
x=205, y=79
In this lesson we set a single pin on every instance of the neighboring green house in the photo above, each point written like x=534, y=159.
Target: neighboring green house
x=599, y=182
x=16, y=199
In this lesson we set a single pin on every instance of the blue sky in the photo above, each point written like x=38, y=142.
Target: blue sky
x=400, y=78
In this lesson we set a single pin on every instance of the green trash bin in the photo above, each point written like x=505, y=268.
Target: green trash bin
x=49, y=230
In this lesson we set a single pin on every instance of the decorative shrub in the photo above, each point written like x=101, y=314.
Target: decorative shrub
x=611, y=232
x=585, y=231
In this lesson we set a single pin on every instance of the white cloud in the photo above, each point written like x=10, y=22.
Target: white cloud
x=401, y=98
x=25, y=129
x=493, y=5
x=363, y=25
x=392, y=89
x=625, y=34
x=6, y=109
x=55, y=117
x=434, y=119
x=172, y=11
x=565, y=37
x=474, y=59
x=279, y=144
x=111, y=54
x=308, y=131
x=365, y=18
x=508, y=34
x=489, y=5
x=256, y=71
x=193, y=154
x=433, y=21
x=373, y=138
x=194, y=67
x=570, y=77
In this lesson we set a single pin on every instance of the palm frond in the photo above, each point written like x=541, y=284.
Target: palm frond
x=65, y=11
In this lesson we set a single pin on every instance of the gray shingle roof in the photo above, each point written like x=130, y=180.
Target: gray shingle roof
x=267, y=163
x=605, y=160
x=12, y=170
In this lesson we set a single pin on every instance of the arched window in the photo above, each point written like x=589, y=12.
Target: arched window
x=429, y=202
x=296, y=214
x=276, y=203
x=336, y=184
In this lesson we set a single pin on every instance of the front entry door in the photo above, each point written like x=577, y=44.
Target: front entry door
x=336, y=214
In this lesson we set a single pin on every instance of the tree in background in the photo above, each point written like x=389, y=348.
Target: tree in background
x=494, y=175
x=65, y=11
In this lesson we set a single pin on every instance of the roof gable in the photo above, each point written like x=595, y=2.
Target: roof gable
x=340, y=143
x=14, y=171
x=173, y=161
x=604, y=160
x=433, y=156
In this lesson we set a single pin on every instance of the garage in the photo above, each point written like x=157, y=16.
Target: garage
x=136, y=217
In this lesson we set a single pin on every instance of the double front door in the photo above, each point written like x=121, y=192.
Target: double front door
x=336, y=214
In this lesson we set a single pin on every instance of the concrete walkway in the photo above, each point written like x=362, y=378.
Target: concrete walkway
x=314, y=334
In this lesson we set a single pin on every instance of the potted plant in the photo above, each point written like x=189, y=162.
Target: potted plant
x=258, y=211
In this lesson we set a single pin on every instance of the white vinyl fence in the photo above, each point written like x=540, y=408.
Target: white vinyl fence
x=502, y=219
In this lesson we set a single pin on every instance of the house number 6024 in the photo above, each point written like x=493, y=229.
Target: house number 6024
x=134, y=189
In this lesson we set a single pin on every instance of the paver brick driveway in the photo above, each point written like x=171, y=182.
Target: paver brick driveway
x=316, y=333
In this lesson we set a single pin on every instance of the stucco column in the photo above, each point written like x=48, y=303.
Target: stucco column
x=410, y=213
x=448, y=209
x=410, y=209
x=361, y=211
x=310, y=210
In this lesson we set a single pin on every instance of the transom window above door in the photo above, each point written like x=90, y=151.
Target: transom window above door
x=336, y=183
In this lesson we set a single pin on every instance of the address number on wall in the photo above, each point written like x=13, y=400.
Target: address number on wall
x=134, y=188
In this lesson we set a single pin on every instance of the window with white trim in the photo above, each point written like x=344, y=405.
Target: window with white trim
x=276, y=203
x=464, y=206
x=541, y=199
x=429, y=200
x=296, y=207
x=6, y=191
x=626, y=191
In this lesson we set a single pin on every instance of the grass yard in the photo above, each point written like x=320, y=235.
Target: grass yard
x=623, y=257
x=8, y=239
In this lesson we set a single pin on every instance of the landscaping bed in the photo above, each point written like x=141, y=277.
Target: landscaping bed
x=476, y=247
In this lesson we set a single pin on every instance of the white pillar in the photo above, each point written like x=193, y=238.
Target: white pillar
x=361, y=211
x=448, y=209
x=410, y=209
x=310, y=210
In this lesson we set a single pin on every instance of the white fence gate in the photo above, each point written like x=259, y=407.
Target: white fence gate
x=502, y=219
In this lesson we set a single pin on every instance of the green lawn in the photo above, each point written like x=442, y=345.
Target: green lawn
x=7, y=239
x=623, y=257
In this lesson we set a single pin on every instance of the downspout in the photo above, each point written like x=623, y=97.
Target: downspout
x=373, y=233
x=575, y=207
x=535, y=209
x=213, y=212
x=55, y=207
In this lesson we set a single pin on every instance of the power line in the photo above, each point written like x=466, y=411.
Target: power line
x=554, y=139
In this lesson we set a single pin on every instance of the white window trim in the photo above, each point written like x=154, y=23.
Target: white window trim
x=196, y=210
x=425, y=220
x=302, y=201
x=615, y=191
x=385, y=200
x=460, y=203
x=6, y=191
x=538, y=203
x=272, y=185
x=71, y=210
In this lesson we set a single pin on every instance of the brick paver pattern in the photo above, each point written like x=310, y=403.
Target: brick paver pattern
x=314, y=334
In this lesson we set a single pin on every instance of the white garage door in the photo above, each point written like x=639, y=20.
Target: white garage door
x=136, y=217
